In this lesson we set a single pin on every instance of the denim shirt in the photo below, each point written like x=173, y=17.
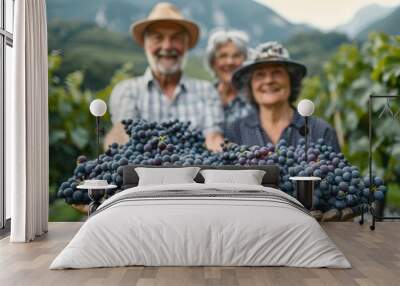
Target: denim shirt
x=248, y=131
x=238, y=108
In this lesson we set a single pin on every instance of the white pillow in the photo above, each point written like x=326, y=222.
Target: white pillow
x=163, y=176
x=249, y=177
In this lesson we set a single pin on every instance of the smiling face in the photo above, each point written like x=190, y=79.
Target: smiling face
x=166, y=46
x=270, y=84
x=227, y=58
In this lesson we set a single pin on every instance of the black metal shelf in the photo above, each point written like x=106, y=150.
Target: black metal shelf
x=369, y=207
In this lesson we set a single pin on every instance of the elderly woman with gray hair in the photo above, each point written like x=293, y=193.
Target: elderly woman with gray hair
x=273, y=82
x=226, y=51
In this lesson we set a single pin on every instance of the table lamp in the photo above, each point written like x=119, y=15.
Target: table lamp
x=306, y=109
x=98, y=108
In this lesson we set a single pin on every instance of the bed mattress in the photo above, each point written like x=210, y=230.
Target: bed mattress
x=201, y=225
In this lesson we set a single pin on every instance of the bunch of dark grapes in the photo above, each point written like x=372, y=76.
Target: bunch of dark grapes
x=174, y=143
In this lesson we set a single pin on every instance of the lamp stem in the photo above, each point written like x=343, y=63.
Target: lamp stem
x=98, y=138
x=306, y=137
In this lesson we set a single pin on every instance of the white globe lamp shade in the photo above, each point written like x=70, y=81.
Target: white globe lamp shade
x=98, y=107
x=305, y=107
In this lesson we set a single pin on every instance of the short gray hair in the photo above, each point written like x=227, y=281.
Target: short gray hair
x=221, y=36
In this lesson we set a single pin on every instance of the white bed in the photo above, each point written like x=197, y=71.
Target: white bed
x=223, y=225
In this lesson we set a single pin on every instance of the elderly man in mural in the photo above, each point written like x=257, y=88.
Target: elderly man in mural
x=164, y=92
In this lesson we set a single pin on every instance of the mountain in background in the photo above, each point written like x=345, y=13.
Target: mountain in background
x=314, y=48
x=261, y=22
x=93, y=37
x=389, y=25
x=364, y=18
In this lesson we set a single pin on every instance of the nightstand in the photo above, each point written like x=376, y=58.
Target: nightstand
x=305, y=189
x=95, y=193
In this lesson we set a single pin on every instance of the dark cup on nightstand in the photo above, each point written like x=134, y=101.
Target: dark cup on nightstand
x=95, y=195
x=96, y=190
x=305, y=190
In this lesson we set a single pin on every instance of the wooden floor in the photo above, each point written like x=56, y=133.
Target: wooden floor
x=374, y=255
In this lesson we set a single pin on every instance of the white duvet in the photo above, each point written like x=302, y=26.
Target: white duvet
x=190, y=230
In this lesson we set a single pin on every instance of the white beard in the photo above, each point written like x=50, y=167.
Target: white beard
x=157, y=67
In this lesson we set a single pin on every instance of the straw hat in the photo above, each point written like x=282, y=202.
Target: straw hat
x=164, y=13
x=268, y=53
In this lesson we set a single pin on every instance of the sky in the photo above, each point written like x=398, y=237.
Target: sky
x=323, y=14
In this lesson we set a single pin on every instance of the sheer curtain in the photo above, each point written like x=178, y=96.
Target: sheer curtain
x=27, y=124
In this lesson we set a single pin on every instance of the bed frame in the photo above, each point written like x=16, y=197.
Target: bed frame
x=270, y=179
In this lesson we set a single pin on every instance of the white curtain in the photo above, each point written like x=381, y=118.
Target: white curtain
x=27, y=124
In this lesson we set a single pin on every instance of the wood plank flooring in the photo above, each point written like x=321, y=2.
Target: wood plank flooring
x=374, y=255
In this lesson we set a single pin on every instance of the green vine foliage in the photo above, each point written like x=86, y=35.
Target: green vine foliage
x=72, y=127
x=341, y=95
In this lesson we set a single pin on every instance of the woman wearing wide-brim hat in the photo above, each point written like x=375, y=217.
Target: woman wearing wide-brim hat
x=273, y=83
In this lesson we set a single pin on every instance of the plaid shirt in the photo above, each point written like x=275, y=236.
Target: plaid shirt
x=238, y=108
x=194, y=100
